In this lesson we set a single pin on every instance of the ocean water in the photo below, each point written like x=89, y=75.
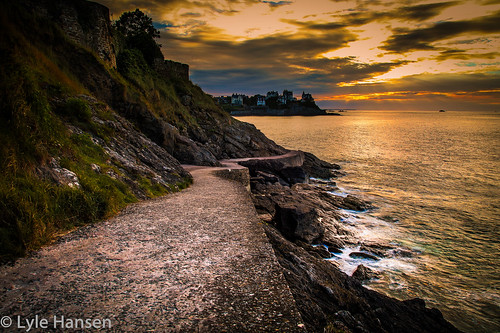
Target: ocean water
x=435, y=180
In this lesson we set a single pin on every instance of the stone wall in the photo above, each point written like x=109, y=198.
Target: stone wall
x=86, y=23
x=169, y=68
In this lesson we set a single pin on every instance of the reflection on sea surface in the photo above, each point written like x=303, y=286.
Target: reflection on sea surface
x=434, y=178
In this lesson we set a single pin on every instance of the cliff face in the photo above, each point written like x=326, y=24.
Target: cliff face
x=83, y=139
x=169, y=69
x=85, y=23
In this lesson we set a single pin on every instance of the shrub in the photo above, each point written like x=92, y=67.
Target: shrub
x=77, y=109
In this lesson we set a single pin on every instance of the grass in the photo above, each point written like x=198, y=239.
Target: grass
x=41, y=95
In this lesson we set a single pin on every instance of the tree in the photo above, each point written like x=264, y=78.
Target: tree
x=140, y=34
x=136, y=23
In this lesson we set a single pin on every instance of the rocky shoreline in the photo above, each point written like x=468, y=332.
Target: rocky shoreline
x=135, y=139
x=293, y=197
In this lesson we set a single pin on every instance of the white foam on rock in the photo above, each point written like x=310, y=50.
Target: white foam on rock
x=370, y=229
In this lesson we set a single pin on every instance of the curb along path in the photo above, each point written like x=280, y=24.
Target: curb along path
x=193, y=261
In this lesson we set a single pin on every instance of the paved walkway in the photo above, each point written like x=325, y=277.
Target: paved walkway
x=194, y=261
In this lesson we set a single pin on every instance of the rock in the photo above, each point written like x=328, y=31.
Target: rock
x=317, y=168
x=188, y=151
x=363, y=255
x=363, y=273
x=268, y=177
x=405, y=253
x=69, y=16
x=66, y=177
x=334, y=246
x=277, y=165
x=353, y=203
x=298, y=221
x=320, y=251
x=379, y=249
x=328, y=299
x=96, y=168
x=266, y=217
x=294, y=175
x=187, y=100
x=347, y=318
x=59, y=175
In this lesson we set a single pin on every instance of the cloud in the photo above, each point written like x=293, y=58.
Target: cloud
x=447, y=83
x=275, y=4
x=473, y=91
x=363, y=15
x=405, y=40
x=491, y=2
x=465, y=55
x=424, y=11
x=312, y=25
x=153, y=8
x=214, y=8
x=206, y=41
x=200, y=33
x=285, y=60
x=191, y=14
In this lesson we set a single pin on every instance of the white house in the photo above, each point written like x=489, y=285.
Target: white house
x=237, y=99
x=261, y=100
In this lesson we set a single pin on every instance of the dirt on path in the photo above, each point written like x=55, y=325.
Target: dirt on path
x=194, y=261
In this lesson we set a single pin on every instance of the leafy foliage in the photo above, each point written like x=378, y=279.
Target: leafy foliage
x=136, y=23
x=140, y=34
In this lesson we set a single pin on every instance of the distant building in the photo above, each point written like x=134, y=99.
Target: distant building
x=223, y=99
x=261, y=100
x=306, y=98
x=288, y=95
x=237, y=99
x=271, y=94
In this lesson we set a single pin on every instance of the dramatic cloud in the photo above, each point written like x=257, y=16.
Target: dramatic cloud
x=464, y=55
x=361, y=15
x=405, y=40
x=364, y=53
x=422, y=12
x=277, y=3
x=423, y=92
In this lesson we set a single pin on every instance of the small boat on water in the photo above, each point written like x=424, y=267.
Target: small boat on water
x=442, y=111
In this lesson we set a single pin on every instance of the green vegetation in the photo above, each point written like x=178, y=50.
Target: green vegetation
x=41, y=89
x=135, y=36
x=139, y=34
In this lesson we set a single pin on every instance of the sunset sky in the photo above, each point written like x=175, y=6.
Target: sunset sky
x=418, y=55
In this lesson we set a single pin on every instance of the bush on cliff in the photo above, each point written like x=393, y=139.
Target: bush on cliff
x=140, y=34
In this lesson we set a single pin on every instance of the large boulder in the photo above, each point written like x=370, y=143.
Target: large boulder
x=188, y=151
x=363, y=273
x=298, y=222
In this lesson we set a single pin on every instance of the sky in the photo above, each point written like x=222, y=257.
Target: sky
x=358, y=54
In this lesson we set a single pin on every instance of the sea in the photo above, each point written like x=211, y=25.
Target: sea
x=434, y=178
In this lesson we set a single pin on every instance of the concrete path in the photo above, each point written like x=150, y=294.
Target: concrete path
x=194, y=261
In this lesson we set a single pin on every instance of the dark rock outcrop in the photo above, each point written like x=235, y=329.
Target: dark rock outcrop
x=130, y=154
x=315, y=167
x=363, y=273
x=328, y=298
x=363, y=255
x=298, y=221
x=172, y=69
x=86, y=23
x=300, y=215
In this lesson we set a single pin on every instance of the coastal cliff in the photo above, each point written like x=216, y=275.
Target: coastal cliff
x=88, y=127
